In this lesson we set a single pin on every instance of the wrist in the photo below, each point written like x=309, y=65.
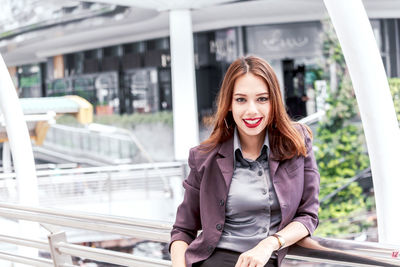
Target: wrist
x=270, y=243
x=280, y=240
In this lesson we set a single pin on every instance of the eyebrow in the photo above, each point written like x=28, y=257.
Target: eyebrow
x=240, y=94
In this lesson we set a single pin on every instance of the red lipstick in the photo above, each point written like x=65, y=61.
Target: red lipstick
x=253, y=125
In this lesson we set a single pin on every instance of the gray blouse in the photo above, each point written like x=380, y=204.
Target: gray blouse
x=252, y=207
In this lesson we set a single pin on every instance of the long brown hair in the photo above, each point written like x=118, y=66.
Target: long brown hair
x=285, y=141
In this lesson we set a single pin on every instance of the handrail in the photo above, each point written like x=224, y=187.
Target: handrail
x=315, y=249
x=100, y=223
x=27, y=260
x=339, y=251
x=111, y=256
x=113, y=168
x=82, y=216
x=28, y=242
x=99, y=146
x=315, y=117
x=88, y=131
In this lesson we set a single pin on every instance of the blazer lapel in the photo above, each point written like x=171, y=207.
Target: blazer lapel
x=225, y=163
x=273, y=164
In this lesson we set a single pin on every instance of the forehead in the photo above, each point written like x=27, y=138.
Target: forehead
x=250, y=84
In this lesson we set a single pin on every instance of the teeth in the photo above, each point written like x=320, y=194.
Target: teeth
x=252, y=121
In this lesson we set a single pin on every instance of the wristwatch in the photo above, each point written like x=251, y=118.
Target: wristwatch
x=281, y=241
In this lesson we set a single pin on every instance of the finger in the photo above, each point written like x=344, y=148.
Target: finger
x=239, y=261
x=245, y=261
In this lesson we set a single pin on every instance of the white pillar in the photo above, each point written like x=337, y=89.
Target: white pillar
x=21, y=149
x=186, y=128
x=376, y=107
x=6, y=157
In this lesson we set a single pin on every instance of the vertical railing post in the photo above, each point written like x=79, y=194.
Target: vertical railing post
x=146, y=180
x=59, y=259
x=109, y=191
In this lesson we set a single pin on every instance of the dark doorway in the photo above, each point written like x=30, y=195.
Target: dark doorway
x=295, y=92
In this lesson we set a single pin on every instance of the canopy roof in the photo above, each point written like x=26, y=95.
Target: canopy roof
x=40, y=112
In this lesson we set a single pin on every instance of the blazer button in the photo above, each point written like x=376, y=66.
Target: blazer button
x=259, y=173
x=210, y=249
x=221, y=202
x=219, y=227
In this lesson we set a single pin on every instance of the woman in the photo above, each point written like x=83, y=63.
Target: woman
x=253, y=184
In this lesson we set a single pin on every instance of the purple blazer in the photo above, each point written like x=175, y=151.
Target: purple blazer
x=296, y=183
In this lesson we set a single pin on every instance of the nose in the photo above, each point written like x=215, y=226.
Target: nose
x=252, y=108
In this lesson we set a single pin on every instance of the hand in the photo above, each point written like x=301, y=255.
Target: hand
x=255, y=257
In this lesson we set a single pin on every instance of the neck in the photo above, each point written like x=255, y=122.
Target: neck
x=252, y=144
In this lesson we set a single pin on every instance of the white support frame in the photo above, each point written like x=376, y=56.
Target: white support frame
x=18, y=136
x=376, y=107
x=21, y=149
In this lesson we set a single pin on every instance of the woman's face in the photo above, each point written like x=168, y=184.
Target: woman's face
x=250, y=105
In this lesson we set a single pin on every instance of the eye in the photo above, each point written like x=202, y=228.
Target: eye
x=240, y=99
x=263, y=99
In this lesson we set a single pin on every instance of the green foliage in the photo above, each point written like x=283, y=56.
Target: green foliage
x=340, y=156
x=341, y=151
x=331, y=48
x=394, y=84
x=343, y=105
x=127, y=121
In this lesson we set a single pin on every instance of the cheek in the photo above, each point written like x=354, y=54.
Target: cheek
x=236, y=112
x=268, y=111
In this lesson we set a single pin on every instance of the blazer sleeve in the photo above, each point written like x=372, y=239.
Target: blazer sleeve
x=187, y=221
x=307, y=212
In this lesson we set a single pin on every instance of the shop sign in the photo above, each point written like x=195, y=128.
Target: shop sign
x=224, y=46
x=285, y=40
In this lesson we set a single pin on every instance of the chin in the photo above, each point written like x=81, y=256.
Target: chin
x=252, y=132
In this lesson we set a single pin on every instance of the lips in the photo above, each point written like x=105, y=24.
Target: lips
x=252, y=123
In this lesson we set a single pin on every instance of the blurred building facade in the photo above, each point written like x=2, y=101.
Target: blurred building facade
x=119, y=59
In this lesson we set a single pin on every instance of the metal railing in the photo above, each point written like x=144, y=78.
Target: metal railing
x=98, y=184
x=311, y=249
x=106, y=147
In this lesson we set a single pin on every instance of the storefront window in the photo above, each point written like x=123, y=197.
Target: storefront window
x=143, y=85
x=30, y=81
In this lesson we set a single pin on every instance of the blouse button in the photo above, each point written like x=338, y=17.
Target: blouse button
x=264, y=192
x=259, y=173
x=221, y=202
x=219, y=227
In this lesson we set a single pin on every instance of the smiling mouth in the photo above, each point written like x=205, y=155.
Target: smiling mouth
x=252, y=123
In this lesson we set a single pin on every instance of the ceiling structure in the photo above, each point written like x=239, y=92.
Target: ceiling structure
x=149, y=19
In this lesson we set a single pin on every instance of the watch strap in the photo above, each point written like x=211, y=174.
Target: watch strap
x=280, y=239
